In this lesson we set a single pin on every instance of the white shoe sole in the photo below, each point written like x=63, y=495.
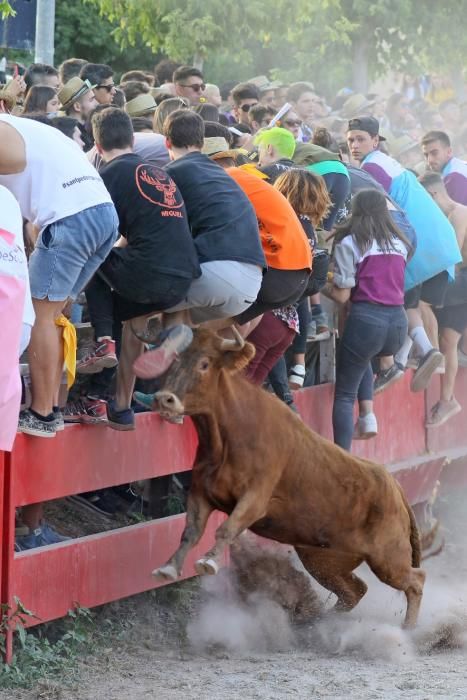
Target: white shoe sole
x=422, y=376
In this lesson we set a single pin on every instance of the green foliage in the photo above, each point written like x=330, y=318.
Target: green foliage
x=81, y=32
x=325, y=41
x=6, y=9
x=38, y=658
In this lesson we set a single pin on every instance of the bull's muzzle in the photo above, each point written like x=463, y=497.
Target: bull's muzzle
x=169, y=403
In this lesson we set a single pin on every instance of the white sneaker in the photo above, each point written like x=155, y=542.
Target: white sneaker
x=366, y=427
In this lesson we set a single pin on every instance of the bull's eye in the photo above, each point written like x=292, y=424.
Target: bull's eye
x=203, y=365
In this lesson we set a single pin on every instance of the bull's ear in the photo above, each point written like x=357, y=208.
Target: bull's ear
x=236, y=360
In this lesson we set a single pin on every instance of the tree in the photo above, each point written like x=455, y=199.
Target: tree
x=81, y=31
x=331, y=42
x=6, y=9
x=186, y=30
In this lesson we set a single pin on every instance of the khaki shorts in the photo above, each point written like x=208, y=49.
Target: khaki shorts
x=225, y=289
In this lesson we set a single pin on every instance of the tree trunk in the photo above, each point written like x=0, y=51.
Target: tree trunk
x=198, y=61
x=360, y=65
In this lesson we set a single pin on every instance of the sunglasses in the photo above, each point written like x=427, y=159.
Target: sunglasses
x=246, y=108
x=197, y=87
x=109, y=88
x=293, y=122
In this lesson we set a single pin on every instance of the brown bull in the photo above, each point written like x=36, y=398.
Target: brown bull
x=257, y=462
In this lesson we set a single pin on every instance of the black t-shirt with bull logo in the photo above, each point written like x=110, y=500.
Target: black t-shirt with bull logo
x=152, y=217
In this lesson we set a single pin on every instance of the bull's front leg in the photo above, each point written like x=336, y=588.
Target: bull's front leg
x=197, y=514
x=248, y=510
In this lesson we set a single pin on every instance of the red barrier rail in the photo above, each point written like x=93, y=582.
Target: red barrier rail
x=100, y=568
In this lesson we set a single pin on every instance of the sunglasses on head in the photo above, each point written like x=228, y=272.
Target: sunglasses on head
x=246, y=108
x=197, y=87
x=293, y=122
x=109, y=88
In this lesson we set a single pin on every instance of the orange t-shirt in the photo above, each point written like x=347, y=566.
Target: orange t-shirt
x=284, y=241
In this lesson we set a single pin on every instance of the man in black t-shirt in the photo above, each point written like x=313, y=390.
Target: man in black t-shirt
x=152, y=265
x=226, y=236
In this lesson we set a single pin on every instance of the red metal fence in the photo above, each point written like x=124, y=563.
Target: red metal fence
x=99, y=568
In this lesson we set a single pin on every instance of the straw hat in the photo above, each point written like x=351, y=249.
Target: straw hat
x=141, y=105
x=264, y=84
x=402, y=145
x=355, y=105
x=73, y=90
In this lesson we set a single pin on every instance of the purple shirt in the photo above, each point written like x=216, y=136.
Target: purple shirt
x=455, y=178
x=376, y=276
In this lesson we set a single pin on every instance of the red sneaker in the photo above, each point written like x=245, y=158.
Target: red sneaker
x=102, y=356
x=87, y=411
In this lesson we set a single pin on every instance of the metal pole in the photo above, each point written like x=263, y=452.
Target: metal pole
x=45, y=26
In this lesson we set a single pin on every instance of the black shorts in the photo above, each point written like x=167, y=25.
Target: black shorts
x=278, y=288
x=147, y=293
x=454, y=317
x=432, y=292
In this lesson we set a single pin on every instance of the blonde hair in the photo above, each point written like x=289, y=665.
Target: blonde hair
x=164, y=109
x=306, y=192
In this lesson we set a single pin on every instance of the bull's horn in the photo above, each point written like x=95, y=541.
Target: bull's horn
x=233, y=344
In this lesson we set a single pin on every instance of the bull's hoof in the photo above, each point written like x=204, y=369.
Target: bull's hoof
x=205, y=567
x=166, y=573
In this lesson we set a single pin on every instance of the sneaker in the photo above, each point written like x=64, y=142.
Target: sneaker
x=59, y=421
x=426, y=367
x=441, y=369
x=31, y=425
x=40, y=537
x=145, y=400
x=366, y=427
x=297, y=377
x=462, y=358
x=386, y=377
x=102, y=356
x=156, y=362
x=120, y=420
x=104, y=501
x=86, y=410
x=442, y=412
x=151, y=333
x=316, y=332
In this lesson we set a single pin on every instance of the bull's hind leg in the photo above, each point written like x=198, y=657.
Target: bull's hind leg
x=395, y=570
x=333, y=570
x=197, y=514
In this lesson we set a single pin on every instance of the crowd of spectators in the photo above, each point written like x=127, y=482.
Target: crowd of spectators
x=165, y=202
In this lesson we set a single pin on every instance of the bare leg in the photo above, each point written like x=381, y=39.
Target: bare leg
x=45, y=355
x=132, y=348
x=197, y=514
x=448, y=345
x=430, y=323
x=365, y=407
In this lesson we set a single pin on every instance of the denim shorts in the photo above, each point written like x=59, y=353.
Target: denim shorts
x=69, y=251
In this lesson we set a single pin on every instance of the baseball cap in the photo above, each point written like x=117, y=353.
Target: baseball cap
x=368, y=124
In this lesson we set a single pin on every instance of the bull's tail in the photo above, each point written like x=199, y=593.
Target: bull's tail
x=414, y=533
x=414, y=538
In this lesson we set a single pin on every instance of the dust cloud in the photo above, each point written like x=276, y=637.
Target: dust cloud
x=266, y=602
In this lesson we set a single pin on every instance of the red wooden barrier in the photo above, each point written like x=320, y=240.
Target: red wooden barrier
x=99, y=568
x=92, y=570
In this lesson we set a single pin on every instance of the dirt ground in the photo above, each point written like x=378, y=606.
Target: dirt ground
x=189, y=642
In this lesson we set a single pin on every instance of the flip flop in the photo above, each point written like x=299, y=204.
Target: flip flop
x=156, y=362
